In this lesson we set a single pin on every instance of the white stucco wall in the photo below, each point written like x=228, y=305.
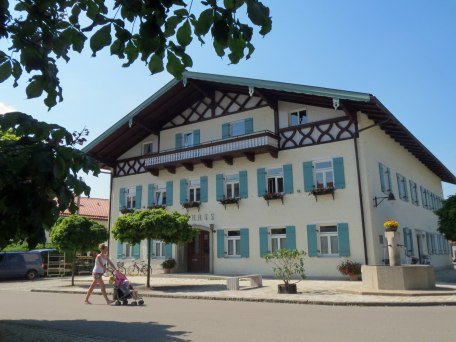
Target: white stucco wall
x=376, y=146
x=313, y=113
x=138, y=148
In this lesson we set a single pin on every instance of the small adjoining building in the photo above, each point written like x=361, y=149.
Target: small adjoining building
x=262, y=165
x=96, y=209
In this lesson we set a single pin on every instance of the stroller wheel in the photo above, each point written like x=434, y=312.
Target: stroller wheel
x=117, y=303
x=141, y=302
x=134, y=303
x=125, y=302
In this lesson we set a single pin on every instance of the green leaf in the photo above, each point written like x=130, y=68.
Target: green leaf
x=132, y=53
x=34, y=89
x=181, y=12
x=220, y=31
x=229, y=4
x=5, y=71
x=156, y=64
x=219, y=49
x=184, y=34
x=187, y=60
x=256, y=12
x=204, y=22
x=101, y=39
x=78, y=42
x=174, y=65
x=171, y=24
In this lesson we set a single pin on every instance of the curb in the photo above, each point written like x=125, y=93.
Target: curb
x=273, y=300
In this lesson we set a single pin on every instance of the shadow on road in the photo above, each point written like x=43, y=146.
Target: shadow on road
x=186, y=288
x=109, y=330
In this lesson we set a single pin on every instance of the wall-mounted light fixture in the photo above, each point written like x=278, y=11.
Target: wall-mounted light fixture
x=378, y=200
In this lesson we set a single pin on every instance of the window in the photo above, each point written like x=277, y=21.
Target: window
x=147, y=148
x=275, y=180
x=237, y=128
x=328, y=240
x=188, y=139
x=232, y=186
x=130, y=198
x=159, y=249
x=324, y=174
x=128, y=250
x=278, y=236
x=233, y=241
x=298, y=117
x=160, y=196
x=414, y=192
x=194, y=191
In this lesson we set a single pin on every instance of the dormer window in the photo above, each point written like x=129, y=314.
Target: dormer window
x=298, y=117
x=147, y=148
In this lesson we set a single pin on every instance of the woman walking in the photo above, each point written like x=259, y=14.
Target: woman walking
x=99, y=268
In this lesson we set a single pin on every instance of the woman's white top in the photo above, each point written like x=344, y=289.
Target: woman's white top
x=100, y=263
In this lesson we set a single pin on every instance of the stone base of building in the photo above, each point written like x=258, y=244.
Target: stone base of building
x=406, y=277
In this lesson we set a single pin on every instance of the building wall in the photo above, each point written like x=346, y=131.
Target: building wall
x=375, y=146
x=313, y=113
x=138, y=148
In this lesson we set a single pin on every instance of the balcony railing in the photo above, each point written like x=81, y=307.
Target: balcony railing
x=245, y=145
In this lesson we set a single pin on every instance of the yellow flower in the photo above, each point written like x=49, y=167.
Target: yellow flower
x=390, y=223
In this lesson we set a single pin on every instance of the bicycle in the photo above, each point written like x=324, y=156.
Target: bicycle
x=143, y=269
x=134, y=269
x=121, y=267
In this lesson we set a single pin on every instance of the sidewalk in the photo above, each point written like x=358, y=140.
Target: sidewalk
x=322, y=292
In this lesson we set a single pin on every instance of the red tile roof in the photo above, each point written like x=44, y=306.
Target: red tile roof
x=94, y=208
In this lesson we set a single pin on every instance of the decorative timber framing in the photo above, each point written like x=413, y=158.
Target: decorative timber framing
x=315, y=133
x=216, y=104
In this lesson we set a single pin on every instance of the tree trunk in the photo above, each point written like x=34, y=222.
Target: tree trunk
x=148, y=261
x=73, y=267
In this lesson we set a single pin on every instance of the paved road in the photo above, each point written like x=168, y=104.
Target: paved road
x=199, y=320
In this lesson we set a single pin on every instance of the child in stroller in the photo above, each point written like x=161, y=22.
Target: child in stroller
x=123, y=290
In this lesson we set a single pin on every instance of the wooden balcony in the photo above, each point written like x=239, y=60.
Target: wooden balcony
x=206, y=153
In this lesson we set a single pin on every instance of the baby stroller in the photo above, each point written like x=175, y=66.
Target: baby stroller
x=123, y=291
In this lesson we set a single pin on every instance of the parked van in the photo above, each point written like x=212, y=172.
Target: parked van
x=21, y=264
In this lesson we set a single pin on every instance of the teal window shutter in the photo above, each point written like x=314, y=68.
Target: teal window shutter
x=168, y=251
x=183, y=191
x=288, y=178
x=339, y=173
x=243, y=184
x=225, y=130
x=204, y=189
x=138, y=197
x=261, y=181
x=423, y=200
x=178, y=140
x=150, y=195
x=399, y=187
x=244, y=242
x=406, y=193
x=388, y=173
x=122, y=198
x=136, y=251
x=248, y=125
x=382, y=177
x=428, y=243
x=290, y=240
x=264, y=241
x=220, y=243
x=312, y=244
x=344, y=239
x=308, y=176
x=219, y=182
x=196, y=137
x=119, y=250
x=169, y=193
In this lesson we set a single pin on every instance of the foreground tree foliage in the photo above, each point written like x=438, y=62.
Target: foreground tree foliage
x=157, y=32
x=447, y=218
x=153, y=224
x=76, y=233
x=39, y=163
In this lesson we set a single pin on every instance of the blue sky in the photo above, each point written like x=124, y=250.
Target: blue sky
x=400, y=51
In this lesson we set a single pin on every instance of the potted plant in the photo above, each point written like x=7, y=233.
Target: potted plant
x=273, y=196
x=125, y=210
x=168, y=264
x=391, y=225
x=229, y=200
x=287, y=263
x=322, y=191
x=191, y=204
x=350, y=268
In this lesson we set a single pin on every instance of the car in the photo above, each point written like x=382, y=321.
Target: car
x=45, y=255
x=21, y=264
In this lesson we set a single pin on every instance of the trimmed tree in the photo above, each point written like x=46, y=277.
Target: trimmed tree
x=76, y=233
x=153, y=224
x=447, y=218
x=39, y=163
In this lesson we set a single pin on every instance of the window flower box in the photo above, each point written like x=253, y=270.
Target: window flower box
x=229, y=200
x=273, y=196
x=191, y=204
x=322, y=191
x=157, y=206
x=127, y=210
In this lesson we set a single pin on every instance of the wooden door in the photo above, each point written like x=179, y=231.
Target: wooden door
x=198, y=253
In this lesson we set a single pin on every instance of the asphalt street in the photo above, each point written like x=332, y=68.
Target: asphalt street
x=200, y=320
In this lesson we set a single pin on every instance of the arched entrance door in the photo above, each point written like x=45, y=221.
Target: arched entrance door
x=198, y=253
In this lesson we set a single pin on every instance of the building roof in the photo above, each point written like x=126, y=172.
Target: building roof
x=151, y=115
x=93, y=208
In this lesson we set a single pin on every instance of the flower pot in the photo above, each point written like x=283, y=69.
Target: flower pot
x=284, y=288
x=390, y=229
x=167, y=270
x=354, y=277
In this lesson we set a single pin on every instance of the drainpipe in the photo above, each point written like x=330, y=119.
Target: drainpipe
x=211, y=227
x=109, y=213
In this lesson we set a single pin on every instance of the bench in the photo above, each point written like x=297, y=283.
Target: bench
x=232, y=283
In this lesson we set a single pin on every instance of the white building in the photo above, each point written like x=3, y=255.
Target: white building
x=211, y=138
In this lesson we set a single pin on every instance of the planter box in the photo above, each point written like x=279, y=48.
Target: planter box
x=290, y=288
